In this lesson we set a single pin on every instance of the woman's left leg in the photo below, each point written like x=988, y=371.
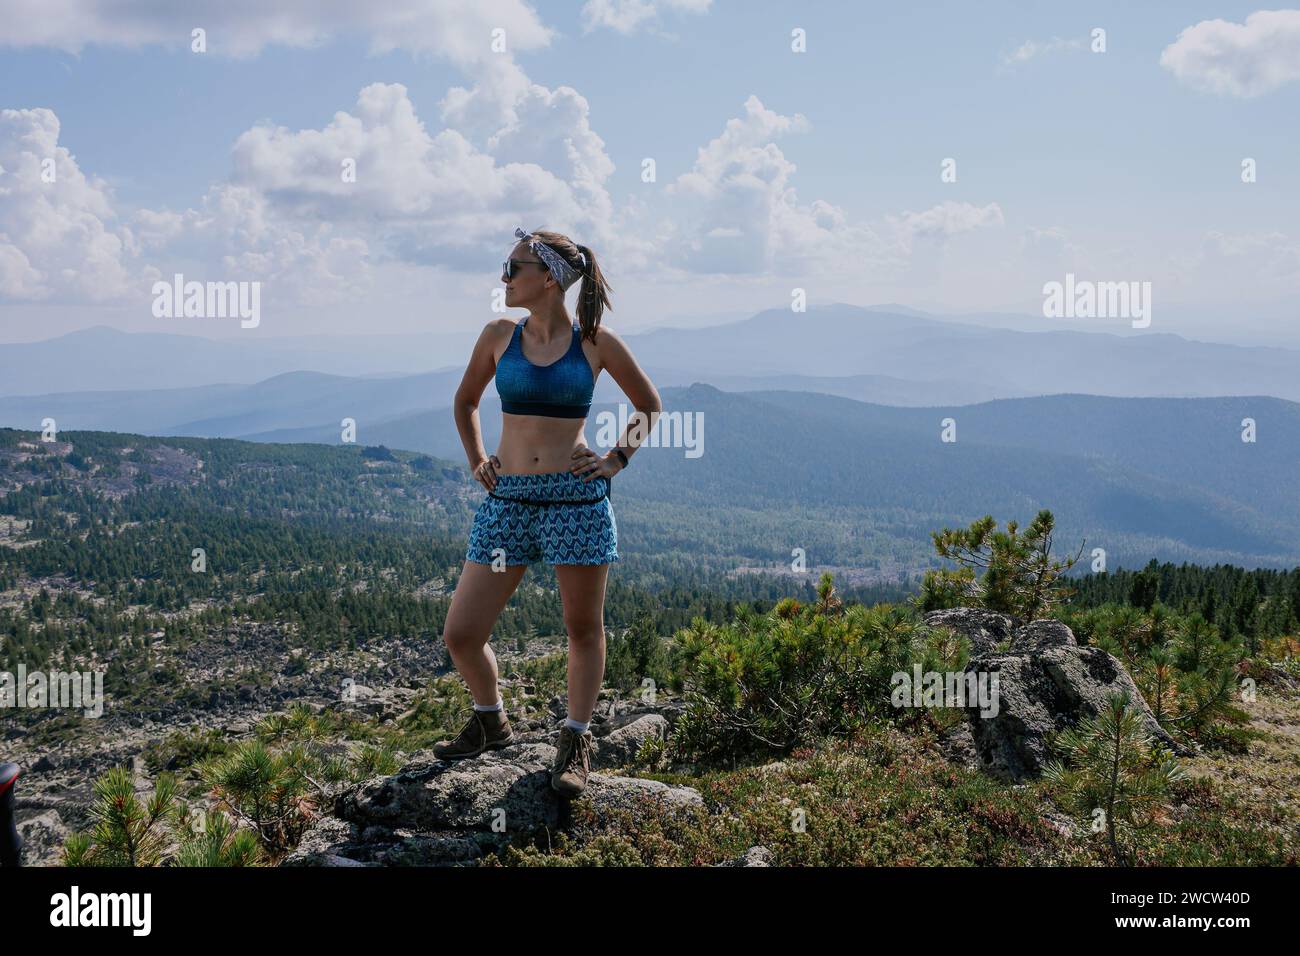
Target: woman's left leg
x=582, y=591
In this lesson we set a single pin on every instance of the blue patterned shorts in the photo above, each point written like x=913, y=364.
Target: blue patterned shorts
x=575, y=526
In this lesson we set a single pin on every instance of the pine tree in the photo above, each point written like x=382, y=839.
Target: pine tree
x=1020, y=576
x=1110, y=773
x=214, y=840
x=126, y=832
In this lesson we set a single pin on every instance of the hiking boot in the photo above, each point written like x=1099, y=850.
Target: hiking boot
x=572, y=762
x=485, y=730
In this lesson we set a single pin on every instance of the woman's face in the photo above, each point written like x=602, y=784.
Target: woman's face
x=530, y=281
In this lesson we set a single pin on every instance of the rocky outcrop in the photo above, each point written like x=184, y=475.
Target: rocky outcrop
x=619, y=745
x=1045, y=683
x=1038, y=636
x=453, y=813
x=57, y=788
x=441, y=813
x=42, y=836
x=985, y=629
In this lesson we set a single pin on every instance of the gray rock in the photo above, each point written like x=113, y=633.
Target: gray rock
x=327, y=843
x=42, y=836
x=958, y=746
x=1040, y=635
x=1047, y=684
x=754, y=856
x=619, y=747
x=335, y=842
x=430, y=794
x=985, y=629
x=441, y=813
x=609, y=794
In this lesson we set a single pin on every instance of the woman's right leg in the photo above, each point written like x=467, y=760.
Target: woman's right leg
x=481, y=595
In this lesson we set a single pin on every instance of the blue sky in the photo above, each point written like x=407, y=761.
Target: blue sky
x=1113, y=165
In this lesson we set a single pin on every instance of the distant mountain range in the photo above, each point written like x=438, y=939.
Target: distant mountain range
x=847, y=340
x=822, y=430
x=872, y=354
x=1141, y=478
x=305, y=406
x=862, y=486
x=105, y=359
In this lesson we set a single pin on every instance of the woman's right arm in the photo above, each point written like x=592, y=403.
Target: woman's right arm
x=482, y=366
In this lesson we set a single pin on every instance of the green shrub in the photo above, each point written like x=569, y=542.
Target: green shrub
x=884, y=798
x=1186, y=671
x=1020, y=577
x=214, y=840
x=269, y=791
x=635, y=655
x=1110, y=774
x=764, y=684
x=125, y=831
x=183, y=749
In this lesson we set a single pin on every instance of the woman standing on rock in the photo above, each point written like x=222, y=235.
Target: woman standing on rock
x=548, y=493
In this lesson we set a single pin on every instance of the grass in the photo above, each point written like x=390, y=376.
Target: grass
x=883, y=799
x=889, y=797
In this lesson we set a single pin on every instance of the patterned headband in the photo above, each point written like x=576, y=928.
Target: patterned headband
x=564, y=273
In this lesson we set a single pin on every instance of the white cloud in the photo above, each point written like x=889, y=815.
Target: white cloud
x=1052, y=249
x=236, y=235
x=626, y=16
x=510, y=152
x=737, y=211
x=62, y=241
x=424, y=198
x=1266, y=257
x=1238, y=59
x=729, y=208
x=1033, y=48
x=56, y=238
x=489, y=104
x=288, y=216
x=943, y=221
x=437, y=197
x=459, y=30
x=552, y=129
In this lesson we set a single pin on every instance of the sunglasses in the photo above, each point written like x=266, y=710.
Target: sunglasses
x=510, y=268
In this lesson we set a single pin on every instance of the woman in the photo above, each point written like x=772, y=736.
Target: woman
x=548, y=493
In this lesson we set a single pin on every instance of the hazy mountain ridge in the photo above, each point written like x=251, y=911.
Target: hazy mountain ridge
x=106, y=359
x=826, y=343
x=841, y=464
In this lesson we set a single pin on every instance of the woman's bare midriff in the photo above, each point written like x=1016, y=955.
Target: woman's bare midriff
x=534, y=444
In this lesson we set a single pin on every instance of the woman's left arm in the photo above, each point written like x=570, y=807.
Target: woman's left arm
x=617, y=358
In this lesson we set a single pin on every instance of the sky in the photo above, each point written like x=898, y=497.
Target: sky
x=716, y=156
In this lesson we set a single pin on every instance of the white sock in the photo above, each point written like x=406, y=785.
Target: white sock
x=579, y=727
x=499, y=705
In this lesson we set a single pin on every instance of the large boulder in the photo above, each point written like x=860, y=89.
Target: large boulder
x=985, y=629
x=441, y=813
x=1046, y=682
x=1040, y=635
x=618, y=747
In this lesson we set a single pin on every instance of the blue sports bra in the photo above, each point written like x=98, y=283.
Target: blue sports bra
x=562, y=389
